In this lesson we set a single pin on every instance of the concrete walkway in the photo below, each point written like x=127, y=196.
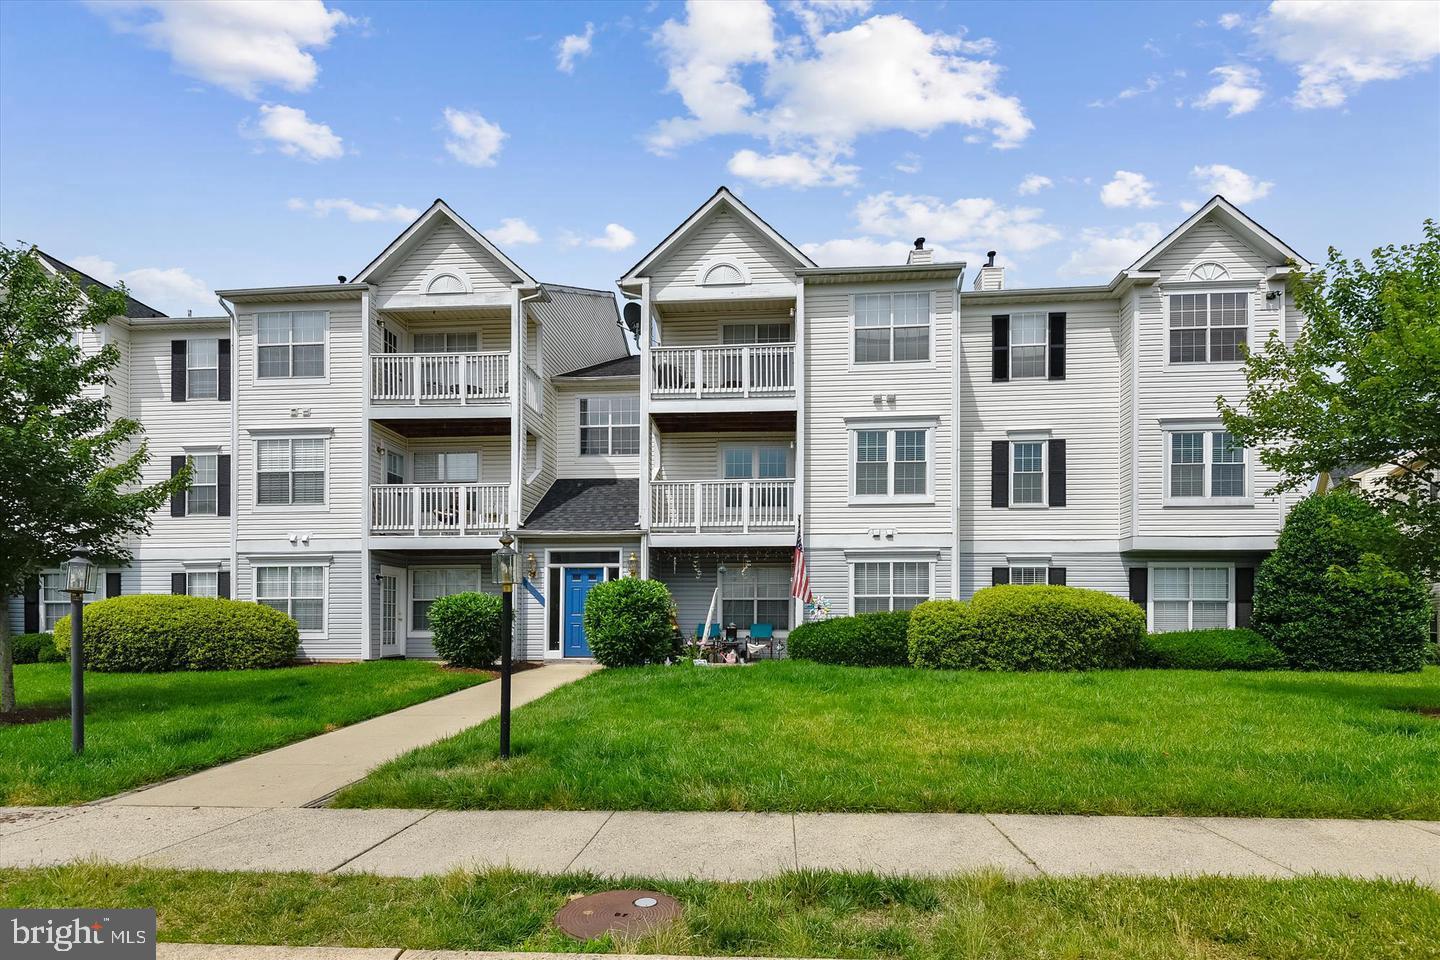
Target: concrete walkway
x=716, y=846
x=311, y=770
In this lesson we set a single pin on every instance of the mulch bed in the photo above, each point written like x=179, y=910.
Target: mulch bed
x=24, y=715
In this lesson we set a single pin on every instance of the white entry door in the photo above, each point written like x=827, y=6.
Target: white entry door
x=391, y=614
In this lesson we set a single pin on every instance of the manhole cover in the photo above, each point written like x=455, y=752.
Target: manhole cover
x=627, y=912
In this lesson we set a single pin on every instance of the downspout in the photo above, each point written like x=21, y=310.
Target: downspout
x=956, y=362
x=234, y=450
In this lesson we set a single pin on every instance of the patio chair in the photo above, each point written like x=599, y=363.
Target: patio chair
x=762, y=639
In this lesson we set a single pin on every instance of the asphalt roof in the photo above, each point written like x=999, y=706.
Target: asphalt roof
x=133, y=308
x=588, y=505
x=619, y=367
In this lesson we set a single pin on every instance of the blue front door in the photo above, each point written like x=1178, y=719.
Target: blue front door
x=578, y=582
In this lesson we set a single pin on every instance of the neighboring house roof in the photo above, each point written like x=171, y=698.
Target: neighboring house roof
x=411, y=234
x=621, y=367
x=582, y=325
x=134, y=309
x=598, y=505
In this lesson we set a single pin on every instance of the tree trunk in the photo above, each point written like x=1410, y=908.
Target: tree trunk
x=7, y=661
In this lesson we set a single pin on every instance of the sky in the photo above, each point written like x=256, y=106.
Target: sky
x=188, y=147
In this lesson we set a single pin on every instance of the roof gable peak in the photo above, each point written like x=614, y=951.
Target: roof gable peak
x=423, y=224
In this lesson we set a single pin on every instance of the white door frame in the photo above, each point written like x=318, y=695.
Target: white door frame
x=397, y=619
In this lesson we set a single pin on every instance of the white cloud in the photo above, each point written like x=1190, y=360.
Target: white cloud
x=1128, y=189
x=1237, y=186
x=910, y=163
x=1034, y=183
x=513, y=232
x=295, y=134
x=572, y=47
x=1229, y=21
x=1104, y=253
x=969, y=221
x=1337, y=46
x=473, y=140
x=816, y=15
x=614, y=238
x=792, y=170
x=1238, y=88
x=238, y=45
x=171, y=290
x=353, y=211
x=1151, y=84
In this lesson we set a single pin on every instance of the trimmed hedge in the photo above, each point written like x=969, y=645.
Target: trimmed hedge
x=628, y=622
x=1330, y=598
x=155, y=633
x=466, y=628
x=944, y=635
x=1218, y=649
x=864, y=640
x=34, y=648
x=1054, y=628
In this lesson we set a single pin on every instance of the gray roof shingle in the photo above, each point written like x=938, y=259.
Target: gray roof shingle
x=588, y=505
x=134, y=309
x=619, y=367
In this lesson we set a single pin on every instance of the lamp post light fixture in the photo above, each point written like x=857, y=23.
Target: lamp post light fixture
x=502, y=571
x=80, y=574
x=632, y=565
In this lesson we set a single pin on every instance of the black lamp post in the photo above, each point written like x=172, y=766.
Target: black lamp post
x=502, y=571
x=80, y=575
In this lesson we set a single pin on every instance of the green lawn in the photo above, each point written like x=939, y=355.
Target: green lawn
x=803, y=914
x=794, y=736
x=144, y=727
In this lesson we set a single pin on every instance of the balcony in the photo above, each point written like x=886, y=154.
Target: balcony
x=702, y=373
x=534, y=390
x=439, y=509
x=440, y=379
x=728, y=506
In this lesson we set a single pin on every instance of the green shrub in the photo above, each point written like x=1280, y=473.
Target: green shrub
x=1219, y=649
x=466, y=628
x=1331, y=598
x=628, y=622
x=1055, y=628
x=864, y=640
x=32, y=648
x=943, y=635
x=153, y=633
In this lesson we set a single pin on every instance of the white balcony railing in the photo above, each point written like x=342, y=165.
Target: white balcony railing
x=534, y=391
x=740, y=506
x=440, y=378
x=750, y=370
x=439, y=509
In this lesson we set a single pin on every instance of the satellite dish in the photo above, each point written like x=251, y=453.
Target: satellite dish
x=632, y=318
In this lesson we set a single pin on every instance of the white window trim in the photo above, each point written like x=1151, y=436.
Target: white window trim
x=1207, y=427
x=258, y=381
x=190, y=454
x=445, y=332
x=927, y=364
x=1042, y=438
x=201, y=572
x=188, y=367
x=322, y=507
x=1044, y=569
x=889, y=427
x=410, y=597
x=437, y=273
x=853, y=560
x=757, y=599
x=580, y=426
x=385, y=454
x=538, y=464
x=754, y=448
x=1207, y=287
x=1190, y=608
x=322, y=562
x=1044, y=345
x=758, y=343
x=442, y=451
x=703, y=271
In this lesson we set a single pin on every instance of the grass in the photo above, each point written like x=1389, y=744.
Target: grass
x=145, y=727
x=809, y=914
x=793, y=736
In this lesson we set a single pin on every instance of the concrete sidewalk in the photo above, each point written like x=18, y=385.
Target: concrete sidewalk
x=715, y=846
x=310, y=770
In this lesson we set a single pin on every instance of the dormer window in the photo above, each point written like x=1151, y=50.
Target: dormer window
x=446, y=283
x=722, y=273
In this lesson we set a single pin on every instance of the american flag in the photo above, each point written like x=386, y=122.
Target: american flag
x=800, y=577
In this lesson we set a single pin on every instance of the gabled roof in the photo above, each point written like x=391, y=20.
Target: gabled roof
x=721, y=197
x=588, y=506
x=412, y=234
x=620, y=367
x=1235, y=219
x=134, y=309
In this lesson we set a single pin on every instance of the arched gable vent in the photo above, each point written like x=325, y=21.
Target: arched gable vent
x=446, y=283
x=1209, y=271
x=723, y=273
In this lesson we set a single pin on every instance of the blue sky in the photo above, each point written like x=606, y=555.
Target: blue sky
x=188, y=147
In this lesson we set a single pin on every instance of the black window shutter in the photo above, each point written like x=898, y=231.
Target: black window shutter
x=1057, y=346
x=222, y=584
x=177, y=583
x=1057, y=473
x=1057, y=576
x=177, y=371
x=112, y=584
x=32, y=605
x=223, y=374
x=1000, y=347
x=1000, y=473
x=177, y=499
x=222, y=485
x=999, y=576
x=1244, y=595
x=1140, y=587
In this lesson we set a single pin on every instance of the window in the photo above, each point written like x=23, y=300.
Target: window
x=54, y=600
x=290, y=344
x=742, y=333
x=394, y=467
x=1208, y=327
x=892, y=463
x=390, y=340
x=892, y=327
x=890, y=585
x=430, y=584
x=761, y=595
x=290, y=471
x=1027, y=473
x=1189, y=598
x=202, y=583
x=460, y=466
x=722, y=273
x=203, y=494
x=295, y=590
x=1205, y=465
x=610, y=426
x=202, y=370
x=447, y=342
x=1028, y=340
x=768, y=462
x=1029, y=576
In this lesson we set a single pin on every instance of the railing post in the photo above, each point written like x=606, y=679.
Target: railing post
x=699, y=372
x=745, y=491
x=415, y=387
x=461, y=378
x=745, y=370
x=414, y=493
x=699, y=499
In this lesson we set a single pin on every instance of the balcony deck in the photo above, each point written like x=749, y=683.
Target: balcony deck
x=763, y=374
x=439, y=509
x=723, y=506
x=441, y=379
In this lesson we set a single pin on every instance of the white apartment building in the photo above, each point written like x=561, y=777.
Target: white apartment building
x=359, y=446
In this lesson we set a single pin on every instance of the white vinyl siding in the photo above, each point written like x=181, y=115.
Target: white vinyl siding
x=1191, y=597
x=889, y=585
x=891, y=327
x=891, y=464
x=202, y=369
x=721, y=236
x=290, y=344
x=295, y=590
x=290, y=471
x=610, y=426
x=1208, y=327
x=203, y=495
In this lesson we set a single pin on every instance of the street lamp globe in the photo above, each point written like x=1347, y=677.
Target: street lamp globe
x=502, y=562
x=80, y=574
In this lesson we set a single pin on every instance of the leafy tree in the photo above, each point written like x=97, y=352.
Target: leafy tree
x=69, y=475
x=1360, y=385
